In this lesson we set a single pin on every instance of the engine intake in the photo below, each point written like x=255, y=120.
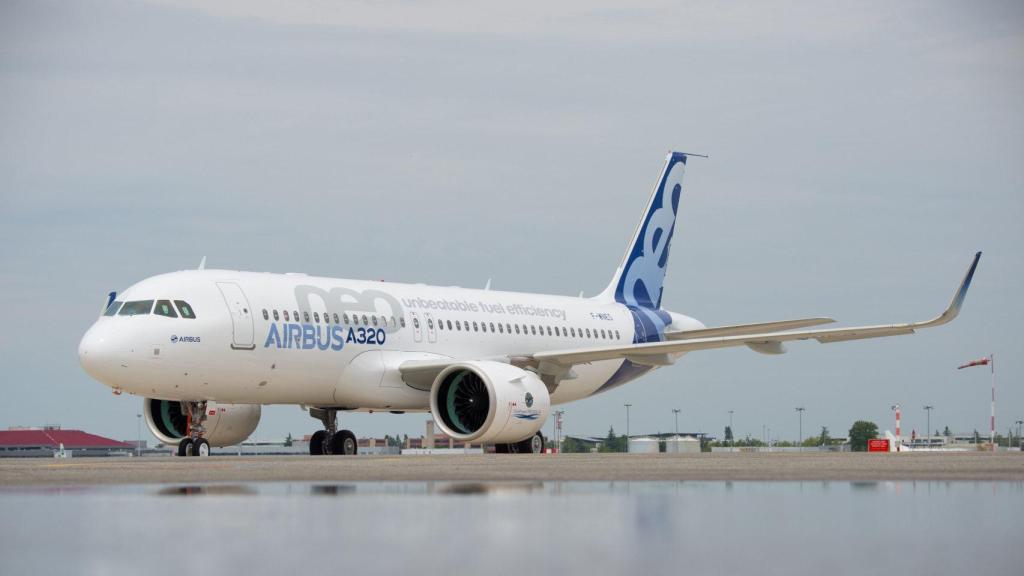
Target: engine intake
x=485, y=401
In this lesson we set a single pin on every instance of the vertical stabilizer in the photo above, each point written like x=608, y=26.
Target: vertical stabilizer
x=639, y=280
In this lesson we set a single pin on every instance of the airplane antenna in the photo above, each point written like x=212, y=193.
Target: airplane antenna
x=697, y=155
x=488, y=285
x=202, y=264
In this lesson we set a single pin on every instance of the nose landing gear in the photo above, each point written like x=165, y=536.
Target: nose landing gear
x=194, y=444
x=330, y=440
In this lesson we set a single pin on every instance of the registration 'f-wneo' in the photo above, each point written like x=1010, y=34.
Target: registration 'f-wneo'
x=207, y=348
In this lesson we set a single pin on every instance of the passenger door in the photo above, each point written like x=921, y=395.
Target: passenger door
x=241, y=316
x=431, y=330
x=417, y=327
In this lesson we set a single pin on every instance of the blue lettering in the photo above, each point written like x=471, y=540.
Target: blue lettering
x=296, y=335
x=273, y=337
x=351, y=336
x=308, y=337
x=323, y=342
x=380, y=336
x=337, y=337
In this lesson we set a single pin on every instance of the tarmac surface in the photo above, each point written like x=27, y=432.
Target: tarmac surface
x=850, y=467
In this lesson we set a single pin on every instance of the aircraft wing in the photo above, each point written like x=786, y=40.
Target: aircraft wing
x=759, y=328
x=657, y=353
x=765, y=337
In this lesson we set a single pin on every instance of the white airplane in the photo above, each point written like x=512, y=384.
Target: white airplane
x=207, y=348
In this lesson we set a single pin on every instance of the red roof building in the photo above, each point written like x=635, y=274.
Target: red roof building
x=19, y=441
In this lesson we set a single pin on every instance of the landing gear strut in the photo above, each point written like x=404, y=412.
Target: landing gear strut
x=532, y=445
x=194, y=444
x=330, y=440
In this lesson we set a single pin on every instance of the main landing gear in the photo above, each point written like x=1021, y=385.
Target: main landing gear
x=194, y=444
x=330, y=440
x=532, y=445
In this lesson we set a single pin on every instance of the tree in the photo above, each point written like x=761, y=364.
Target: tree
x=728, y=434
x=946, y=432
x=825, y=439
x=613, y=443
x=860, y=433
x=289, y=440
x=571, y=445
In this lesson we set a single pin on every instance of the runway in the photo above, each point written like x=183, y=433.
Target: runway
x=850, y=467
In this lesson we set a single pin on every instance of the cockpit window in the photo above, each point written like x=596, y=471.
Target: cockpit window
x=113, y=308
x=164, y=308
x=136, y=308
x=185, y=309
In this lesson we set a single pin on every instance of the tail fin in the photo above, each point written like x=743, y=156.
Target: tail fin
x=639, y=280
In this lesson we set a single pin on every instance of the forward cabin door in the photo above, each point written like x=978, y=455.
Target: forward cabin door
x=241, y=316
x=431, y=331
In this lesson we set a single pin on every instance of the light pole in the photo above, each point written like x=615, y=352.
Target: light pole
x=676, y=412
x=558, y=430
x=800, y=442
x=928, y=409
x=627, y=425
x=731, y=430
x=138, y=435
x=1018, y=423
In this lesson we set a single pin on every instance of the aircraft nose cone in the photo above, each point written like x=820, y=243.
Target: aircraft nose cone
x=95, y=353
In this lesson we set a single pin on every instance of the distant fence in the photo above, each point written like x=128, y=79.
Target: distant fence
x=808, y=449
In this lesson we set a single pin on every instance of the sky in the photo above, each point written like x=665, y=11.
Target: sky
x=859, y=155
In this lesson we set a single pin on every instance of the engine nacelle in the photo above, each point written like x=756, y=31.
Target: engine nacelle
x=485, y=401
x=226, y=424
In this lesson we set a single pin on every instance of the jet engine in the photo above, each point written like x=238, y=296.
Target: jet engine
x=486, y=401
x=226, y=424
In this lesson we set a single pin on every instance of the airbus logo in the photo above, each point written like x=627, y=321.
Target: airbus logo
x=174, y=338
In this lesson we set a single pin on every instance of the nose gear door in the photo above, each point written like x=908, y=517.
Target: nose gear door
x=241, y=316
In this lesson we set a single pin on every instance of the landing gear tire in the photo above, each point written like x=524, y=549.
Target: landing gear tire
x=316, y=443
x=344, y=443
x=185, y=447
x=200, y=447
x=532, y=445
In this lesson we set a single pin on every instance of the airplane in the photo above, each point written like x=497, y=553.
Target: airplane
x=205, y=349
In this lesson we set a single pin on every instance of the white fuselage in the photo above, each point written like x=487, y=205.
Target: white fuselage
x=240, y=348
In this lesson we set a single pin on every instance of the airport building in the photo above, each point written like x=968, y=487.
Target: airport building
x=48, y=441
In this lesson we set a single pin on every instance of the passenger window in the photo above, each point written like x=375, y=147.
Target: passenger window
x=508, y=328
x=549, y=330
x=392, y=321
x=430, y=323
x=286, y=319
x=336, y=318
x=533, y=330
x=295, y=314
x=500, y=329
x=113, y=308
x=588, y=332
x=365, y=323
x=183, y=308
x=316, y=317
x=305, y=316
x=517, y=328
x=492, y=327
x=276, y=317
x=440, y=324
x=355, y=320
x=416, y=322
x=602, y=334
x=374, y=318
x=164, y=308
x=474, y=327
x=458, y=325
x=344, y=318
x=401, y=321
x=137, y=308
x=617, y=337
